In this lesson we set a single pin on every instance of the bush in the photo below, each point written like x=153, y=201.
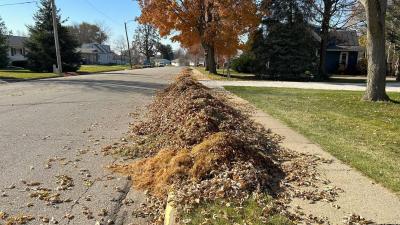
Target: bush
x=362, y=66
x=286, y=53
x=245, y=63
x=22, y=64
x=71, y=68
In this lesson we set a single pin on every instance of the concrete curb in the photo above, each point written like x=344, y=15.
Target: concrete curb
x=170, y=210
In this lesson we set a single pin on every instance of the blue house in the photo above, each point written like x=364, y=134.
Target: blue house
x=343, y=52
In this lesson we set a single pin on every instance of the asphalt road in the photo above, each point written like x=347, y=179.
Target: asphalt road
x=57, y=127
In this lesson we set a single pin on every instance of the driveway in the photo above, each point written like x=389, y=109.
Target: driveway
x=51, y=134
x=390, y=87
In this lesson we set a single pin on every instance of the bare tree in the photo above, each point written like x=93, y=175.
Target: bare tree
x=145, y=40
x=121, y=47
x=330, y=14
x=376, y=37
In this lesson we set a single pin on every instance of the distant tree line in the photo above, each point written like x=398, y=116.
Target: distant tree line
x=3, y=44
x=41, y=47
x=40, y=41
x=89, y=33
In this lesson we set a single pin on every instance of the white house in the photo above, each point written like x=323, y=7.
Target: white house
x=197, y=62
x=163, y=62
x=180, y=62
x=93, y=53
x=16, y=50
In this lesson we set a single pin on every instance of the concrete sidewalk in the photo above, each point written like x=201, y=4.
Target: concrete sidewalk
x=360, y=196
x=390, y=87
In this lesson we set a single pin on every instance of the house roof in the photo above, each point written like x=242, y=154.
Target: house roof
x=343, y=38
x=16, y=41
x=88, y=50
x=338, y=38
x=93, y=48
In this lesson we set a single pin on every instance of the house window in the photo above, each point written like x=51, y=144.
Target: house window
x=13, y=51
x=21, y=52
x=344, y=58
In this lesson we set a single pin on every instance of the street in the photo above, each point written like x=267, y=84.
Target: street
x=51, y=135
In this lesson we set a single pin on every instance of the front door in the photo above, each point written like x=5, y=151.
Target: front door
x=343, y=61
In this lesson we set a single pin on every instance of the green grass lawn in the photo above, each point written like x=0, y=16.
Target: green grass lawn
x=23, y=74
x=219, y=213
x=364, y=135
x=234, y=75
x=101, y=68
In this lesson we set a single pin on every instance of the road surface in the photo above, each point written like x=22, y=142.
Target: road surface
x=52, y=130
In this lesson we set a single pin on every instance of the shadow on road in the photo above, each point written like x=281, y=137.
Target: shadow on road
x=145, y=87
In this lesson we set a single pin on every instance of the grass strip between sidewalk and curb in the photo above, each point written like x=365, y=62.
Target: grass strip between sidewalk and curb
x=87, y=69
x=235, y=76
x=10, y=74
x=362, y=134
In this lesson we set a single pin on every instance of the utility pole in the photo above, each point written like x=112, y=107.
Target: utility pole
x=56, y=40
x=129, y=46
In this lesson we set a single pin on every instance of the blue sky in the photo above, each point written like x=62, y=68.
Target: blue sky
x=111, y=13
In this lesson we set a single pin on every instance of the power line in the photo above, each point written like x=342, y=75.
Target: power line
x=18, y=3
x=99, y=11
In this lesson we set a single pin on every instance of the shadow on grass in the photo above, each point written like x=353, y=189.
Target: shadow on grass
x=17, y=71
x=394, y=101
x=238, y=76
x=94, y=72
x=355, y=79
x=18, y=79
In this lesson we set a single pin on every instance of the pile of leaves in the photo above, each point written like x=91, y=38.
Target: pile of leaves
x=200, y=147
x=194, y=144
x=186, y=113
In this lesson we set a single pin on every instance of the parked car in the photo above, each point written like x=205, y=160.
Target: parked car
x=147, y=64
x=161, y=64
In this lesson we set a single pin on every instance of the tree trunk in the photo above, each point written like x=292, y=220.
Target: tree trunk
x=206, y=58
x=397, y=68
x=322, y=55
x=229, y=67
x=323, y=75
x=376, y=85
x=389, y=61
x=210, y=58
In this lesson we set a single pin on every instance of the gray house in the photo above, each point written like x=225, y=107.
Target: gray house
x=16, y=51
x=93, y=53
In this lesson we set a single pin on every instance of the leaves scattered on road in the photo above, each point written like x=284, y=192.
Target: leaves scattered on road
x=65, y=182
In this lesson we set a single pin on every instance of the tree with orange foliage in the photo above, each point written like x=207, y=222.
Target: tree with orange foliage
x=217, y=25
x=196, y=52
